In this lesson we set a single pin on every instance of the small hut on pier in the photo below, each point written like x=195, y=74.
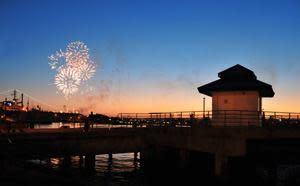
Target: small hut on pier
x=236, y=97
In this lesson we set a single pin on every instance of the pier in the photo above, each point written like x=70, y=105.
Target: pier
x=157, y=144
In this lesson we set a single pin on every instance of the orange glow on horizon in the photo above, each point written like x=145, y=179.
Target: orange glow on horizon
x=171, y=103
x=160, y=99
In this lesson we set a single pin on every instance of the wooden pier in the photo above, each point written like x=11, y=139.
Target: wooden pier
x=156, y=143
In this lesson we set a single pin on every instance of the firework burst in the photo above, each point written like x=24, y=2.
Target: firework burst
x=67, y=81
x=87, y=71
x=77, y=54
x=73, y=66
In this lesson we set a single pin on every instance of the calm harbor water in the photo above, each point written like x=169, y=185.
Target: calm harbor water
x=74, y=125
x=122, y=169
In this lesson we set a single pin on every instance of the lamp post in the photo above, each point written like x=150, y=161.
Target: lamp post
x=203, y=107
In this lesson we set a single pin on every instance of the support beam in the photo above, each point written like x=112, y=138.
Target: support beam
x=135, y=160
x=110, y=157
x=220, y=164
x=183, y=158
x=81, y=163
x=67, y=161
x=135, y=156
x=90, y=160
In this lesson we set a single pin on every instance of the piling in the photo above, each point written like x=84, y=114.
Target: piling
x=90, y=160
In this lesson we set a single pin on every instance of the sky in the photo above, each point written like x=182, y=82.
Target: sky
x=151, y=55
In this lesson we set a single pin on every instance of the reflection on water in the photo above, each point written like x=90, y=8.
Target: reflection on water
x=123, y=162
x=75, y=125
x=108, y=171
x=125, y=170
x=58, y=125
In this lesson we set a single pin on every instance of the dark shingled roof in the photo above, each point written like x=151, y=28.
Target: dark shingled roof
x=237, y=78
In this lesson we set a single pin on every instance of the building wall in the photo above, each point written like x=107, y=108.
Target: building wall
x=236, y=108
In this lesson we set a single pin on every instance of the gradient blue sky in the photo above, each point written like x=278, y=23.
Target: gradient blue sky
x=152, y=55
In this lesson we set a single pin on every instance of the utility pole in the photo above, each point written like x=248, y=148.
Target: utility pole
x=15, y=96
x=27, y=105
x=22, y=100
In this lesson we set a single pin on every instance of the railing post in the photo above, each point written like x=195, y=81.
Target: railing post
x=203, y=107
x=224, y=117
x=258, y=117
x=263, y=119
x=240, y=117
x=170, y=119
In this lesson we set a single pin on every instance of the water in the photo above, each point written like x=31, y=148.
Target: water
x=120, y=171
x=75, y=125
x=120, y=162
x=123, y=169
x=57, y=125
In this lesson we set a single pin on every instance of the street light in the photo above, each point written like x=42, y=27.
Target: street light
x=203, y=107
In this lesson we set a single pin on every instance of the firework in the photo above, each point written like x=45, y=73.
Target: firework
x=77, y=54
x=56, y=60
x=87, y=71
x=67, y=81
x=73, y=66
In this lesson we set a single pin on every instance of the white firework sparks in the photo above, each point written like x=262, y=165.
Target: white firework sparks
x=87, y=71
x=77, y=54
x=56, y=60
x=73, y=66
x=67, y=81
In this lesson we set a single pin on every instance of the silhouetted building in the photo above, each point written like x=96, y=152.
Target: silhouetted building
x=236, y=96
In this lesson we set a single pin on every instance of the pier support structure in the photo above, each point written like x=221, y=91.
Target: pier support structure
x=110, y=157
x=220, y=164
x=89, y=161
x=183, y=157
x=66, y=161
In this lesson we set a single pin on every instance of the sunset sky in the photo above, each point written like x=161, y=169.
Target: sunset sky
x=151, y=55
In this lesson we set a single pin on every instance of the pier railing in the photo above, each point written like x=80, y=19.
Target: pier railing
x=213, y=118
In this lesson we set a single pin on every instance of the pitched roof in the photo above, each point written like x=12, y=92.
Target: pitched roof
x=237, y=71
x=237, y=78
